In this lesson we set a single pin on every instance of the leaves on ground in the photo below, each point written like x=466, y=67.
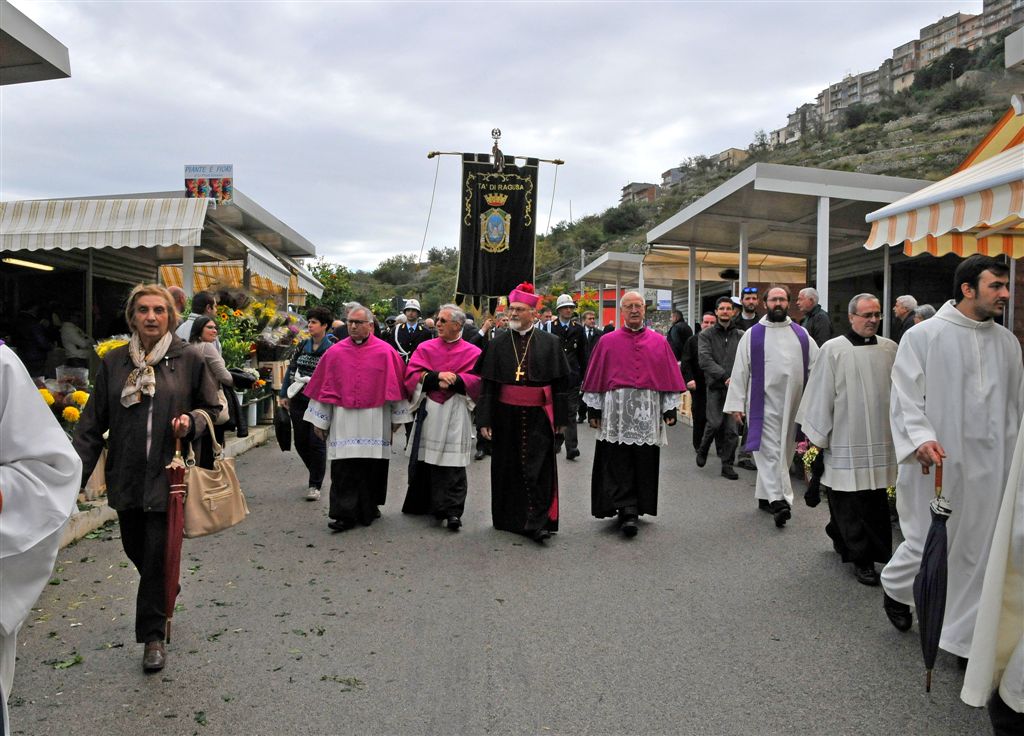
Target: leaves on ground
x=201, y=717
x=63, y=664
x=349, y=683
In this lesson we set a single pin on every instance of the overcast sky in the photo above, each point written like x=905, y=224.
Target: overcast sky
x=327, y=109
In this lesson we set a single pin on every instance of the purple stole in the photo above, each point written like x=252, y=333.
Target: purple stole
x=755, y=417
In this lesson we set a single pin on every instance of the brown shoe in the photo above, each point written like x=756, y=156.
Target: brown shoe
x=153, y=657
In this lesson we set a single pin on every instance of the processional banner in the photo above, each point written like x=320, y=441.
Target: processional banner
x=498, y=226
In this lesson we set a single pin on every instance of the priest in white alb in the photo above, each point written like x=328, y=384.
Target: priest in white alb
x=845, y=412
x=957, y=398
x=356, y=400
x=443, y=391
x=40, y=474
x=632, y=391
x=768, y=376
x=995, y=669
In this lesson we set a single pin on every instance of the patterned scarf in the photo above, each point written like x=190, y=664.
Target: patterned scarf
x=142, y=380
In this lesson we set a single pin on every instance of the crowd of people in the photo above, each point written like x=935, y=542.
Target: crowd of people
x=880, y=415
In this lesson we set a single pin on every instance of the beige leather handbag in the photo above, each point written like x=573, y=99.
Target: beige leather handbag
x=214, y=500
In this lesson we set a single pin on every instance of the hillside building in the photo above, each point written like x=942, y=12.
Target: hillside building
x=638, y=192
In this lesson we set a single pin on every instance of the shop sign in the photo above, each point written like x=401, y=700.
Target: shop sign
x=214, y=182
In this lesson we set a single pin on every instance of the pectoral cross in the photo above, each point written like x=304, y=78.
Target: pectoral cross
x=519, y=374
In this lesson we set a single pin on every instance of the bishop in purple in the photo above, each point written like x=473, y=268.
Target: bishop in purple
x=632, y=391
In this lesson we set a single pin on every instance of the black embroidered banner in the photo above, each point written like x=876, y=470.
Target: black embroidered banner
x=498, y=226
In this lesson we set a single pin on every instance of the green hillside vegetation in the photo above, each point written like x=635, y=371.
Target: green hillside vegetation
x=923, y=132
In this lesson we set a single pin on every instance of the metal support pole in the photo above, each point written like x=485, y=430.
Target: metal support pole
x=691, y=287
x=744, y=256
x=188, y=257
x=640, y=280
x=886, y=293
x=821, y=258
x=617, y=315
x=583, y=264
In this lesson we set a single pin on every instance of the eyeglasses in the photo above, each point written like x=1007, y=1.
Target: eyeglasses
x=869, y=315
x=358, y=321
x=749, y=289
x=441, y=321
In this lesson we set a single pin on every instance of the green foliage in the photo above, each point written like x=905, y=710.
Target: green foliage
x=622, y=219
x=337, y=281
x=958, y=98
x=943, y=70
x=399, y=270
x=854, y=116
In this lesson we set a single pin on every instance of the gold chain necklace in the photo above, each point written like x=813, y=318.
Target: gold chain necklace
x=519, y=361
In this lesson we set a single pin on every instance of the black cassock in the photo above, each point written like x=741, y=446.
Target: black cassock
x=524, y=478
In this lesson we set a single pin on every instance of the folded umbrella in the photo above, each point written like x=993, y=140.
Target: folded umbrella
x=930, y=582
x=175, y=530
x=283, y=428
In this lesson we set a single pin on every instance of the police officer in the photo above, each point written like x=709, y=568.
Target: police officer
x=574, y=344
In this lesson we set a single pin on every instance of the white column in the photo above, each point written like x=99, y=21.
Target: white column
x=691, y=287
x=640, y=280
x=886, y=293
x=744, y=255
x=617, y=315
x=188, y=257
x=821, y=260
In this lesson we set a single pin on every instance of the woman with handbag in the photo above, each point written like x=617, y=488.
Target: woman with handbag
x=145, y=395
x=311, y=448
x=204, y=335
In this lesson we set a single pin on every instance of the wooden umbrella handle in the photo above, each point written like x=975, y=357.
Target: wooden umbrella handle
x=938, y=480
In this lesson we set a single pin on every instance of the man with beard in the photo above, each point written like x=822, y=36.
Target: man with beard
x=356, y=401
x=522, y=408
x=443, y=391
x=957, y=399
x=772, y=362
x=631, y=392
x=845, y=412
x=747, y=316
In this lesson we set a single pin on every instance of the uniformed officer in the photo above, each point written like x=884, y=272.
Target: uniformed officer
x=574, y=344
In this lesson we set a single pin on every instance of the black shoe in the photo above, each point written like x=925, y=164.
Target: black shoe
x=339, y=526
x=780, y=510
x=702, y=458
x=154, y=657
x=479, y=455
x=454, y=522
x=866, y=575
x=376, y=512
x=728, y=472
x=899, y=613
x=763, y=505
x=572, y=454
x=747, y=464
x=629, y=527
x=541, y=535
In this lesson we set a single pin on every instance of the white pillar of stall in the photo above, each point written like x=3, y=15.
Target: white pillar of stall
x=691, y=287
x=617, y=315
x=744, y=256
x=188, y=258
x=821, y=256
x=886, y=293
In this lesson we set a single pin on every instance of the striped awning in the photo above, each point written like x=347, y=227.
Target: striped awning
x=66, y=224
x=977, y=210
x=227, y=274
x=261, y=262
x=307, y=281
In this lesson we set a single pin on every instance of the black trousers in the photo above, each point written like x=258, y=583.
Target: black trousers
x=698, y=414
x=311, y=448
x=573, y=396
x=358, y=487
x=436, y=489
x=720, y=428
x=144, y=538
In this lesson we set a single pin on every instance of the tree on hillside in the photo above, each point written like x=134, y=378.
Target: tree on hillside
x=400, y=269
x=760, y=143
x=622, y=219
x=337, y=282
x=853, y=116
x=938, y=73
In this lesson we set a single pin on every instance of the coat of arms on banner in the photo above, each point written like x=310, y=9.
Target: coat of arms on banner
x=494, y=225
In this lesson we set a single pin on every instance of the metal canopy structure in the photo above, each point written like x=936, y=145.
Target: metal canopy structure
x=620, y=269
x=27, y=52
x=778, y=210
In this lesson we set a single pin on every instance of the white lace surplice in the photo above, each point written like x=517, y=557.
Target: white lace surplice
x=632, y=416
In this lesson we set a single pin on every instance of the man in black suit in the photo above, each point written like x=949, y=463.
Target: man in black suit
x=574, y=347
x=591, y=334
x=408, y=336
x=678, y=334
x=696, y=384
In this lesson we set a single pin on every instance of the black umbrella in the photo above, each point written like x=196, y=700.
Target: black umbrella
x=243, y=381
x=930, y=583
x=812, y=496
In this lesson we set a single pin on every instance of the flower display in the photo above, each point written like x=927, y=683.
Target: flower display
x=105, y=346
x=47, y=396
x=71, y=414
x=79, y=398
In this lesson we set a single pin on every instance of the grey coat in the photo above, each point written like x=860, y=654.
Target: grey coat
x=716, y=352
x=135, y=479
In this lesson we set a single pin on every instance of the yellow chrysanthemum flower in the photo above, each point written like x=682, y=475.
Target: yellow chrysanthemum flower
x=47, y=396
x=71, y=414
x=238, y=313
x=79, y=398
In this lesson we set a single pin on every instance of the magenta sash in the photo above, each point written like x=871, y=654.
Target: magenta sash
x=755, y=417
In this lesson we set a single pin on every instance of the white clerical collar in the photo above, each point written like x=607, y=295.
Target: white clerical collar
x=358, y=342
x=524, y=330
x=449, y=342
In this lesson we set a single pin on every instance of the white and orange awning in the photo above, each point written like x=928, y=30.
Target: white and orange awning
x=228, y=274
x=979, y=209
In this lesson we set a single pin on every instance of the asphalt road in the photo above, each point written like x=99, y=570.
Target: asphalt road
x=711, y=621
